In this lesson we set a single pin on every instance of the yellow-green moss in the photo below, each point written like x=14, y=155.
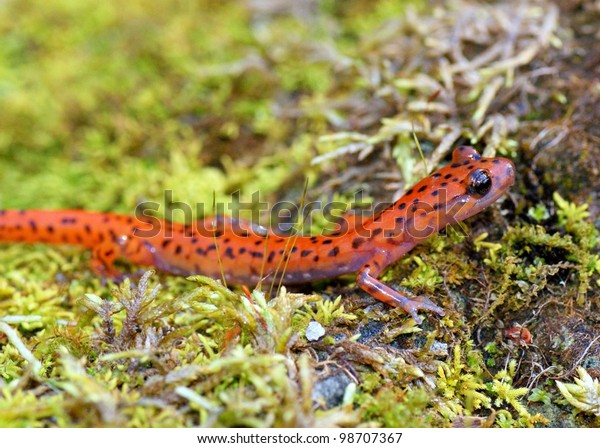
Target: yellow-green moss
x=107, y=105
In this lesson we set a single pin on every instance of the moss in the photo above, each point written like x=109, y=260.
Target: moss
x=393, y=407
x=584, y=394
x=108, y=106
x=468, y=386
x=529, y=257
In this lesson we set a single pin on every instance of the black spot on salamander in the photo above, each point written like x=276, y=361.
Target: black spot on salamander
x=305, y=253
x=448, y=176
x=281, y=251
x=316, y=258
x=109, y=253
x=314, y=239
x=357, y=242
x=229, y=253
x=279, y=240
x=377, y=231
x=200, y=251
x=399, y=220
x=87, y=229
x=455, y=165
x=217, y=233
x=227, y=240
x=496, y=161
x=415, y=201
x=257, y=242
x=33, y=226
x=166, y=243
x=18, y=227
x=455, y=179
x=50, y=229
x=194, y=240
x=101, y=237
x=211, y=247
x=105, y=219
x=68, y=221
x=435, y=192
x=333, y=252
x=436, y=206
x=256, y=254
x=466, y=162
x=413, y=208
x=422, y=189
x=470, y=167
x=271, y=256
x=64, y=238
x=462, y=148
x=422, y=214
x=377, y=216
x=444, y=184
x=401, y=206
x=389, y=234
x=242, y=250
x=178, y=249
x=327, y=241
x=409, y=192
x=436, y=175
x=393, y=241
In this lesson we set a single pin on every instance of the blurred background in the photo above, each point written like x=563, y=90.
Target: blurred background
x=105, y=105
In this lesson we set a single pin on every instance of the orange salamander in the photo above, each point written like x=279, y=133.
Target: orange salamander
x=242, y=255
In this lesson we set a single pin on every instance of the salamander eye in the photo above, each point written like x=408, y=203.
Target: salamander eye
x=480, y=183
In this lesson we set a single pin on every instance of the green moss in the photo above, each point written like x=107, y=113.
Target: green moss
x=584, y=394
x=324, y=312
x=393, y=407
x=529, y=257
x=468, y=386
x=108, y=105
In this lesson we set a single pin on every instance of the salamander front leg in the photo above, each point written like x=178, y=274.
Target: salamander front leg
x=367, y=280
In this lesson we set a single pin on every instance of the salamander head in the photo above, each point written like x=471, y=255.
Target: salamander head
x=466, y=186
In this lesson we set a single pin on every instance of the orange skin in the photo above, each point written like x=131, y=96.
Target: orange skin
x=243, y=254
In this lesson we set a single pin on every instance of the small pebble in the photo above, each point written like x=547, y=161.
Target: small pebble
x=314, y=330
